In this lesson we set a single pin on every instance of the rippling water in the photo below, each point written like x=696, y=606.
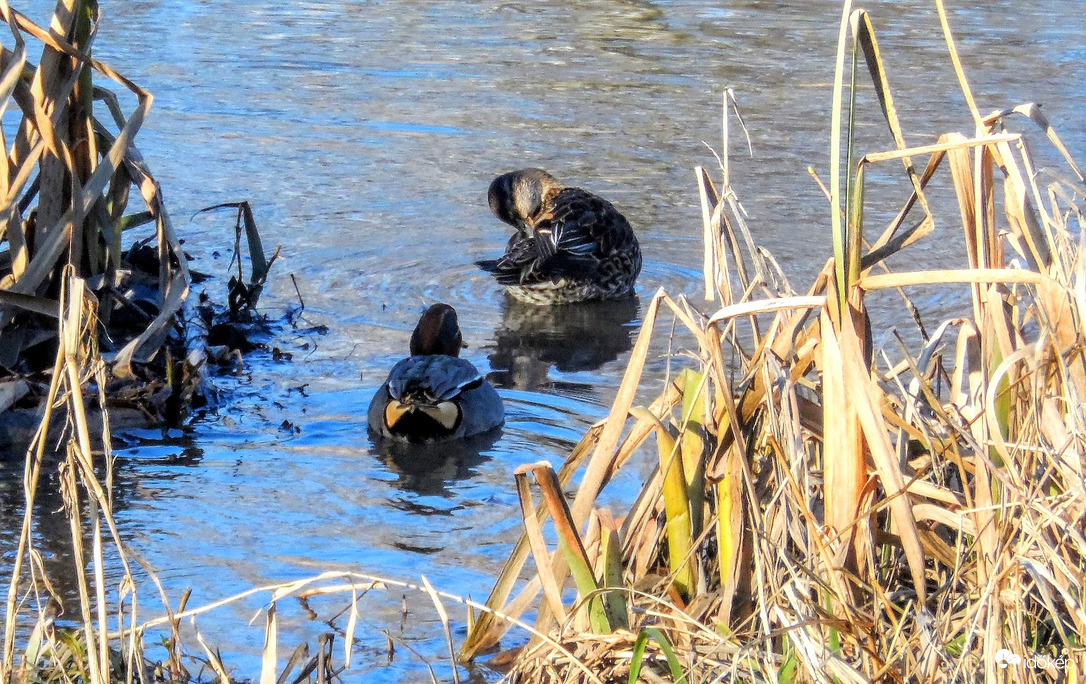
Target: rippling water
x=365, y=135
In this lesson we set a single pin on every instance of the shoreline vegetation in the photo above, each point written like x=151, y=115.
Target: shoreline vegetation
x=824, y=509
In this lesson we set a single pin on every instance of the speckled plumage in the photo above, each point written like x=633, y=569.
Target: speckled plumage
x=570, y=245
x=433, y=395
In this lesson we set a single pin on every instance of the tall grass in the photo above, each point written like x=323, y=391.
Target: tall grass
x=66, y=288
x=842, y=513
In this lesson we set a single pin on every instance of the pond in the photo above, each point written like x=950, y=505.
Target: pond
x=365, y=135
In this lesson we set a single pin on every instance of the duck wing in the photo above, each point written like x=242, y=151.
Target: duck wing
x=575, y=232
x=577, y=222
x=432, y=378
x=520, y=265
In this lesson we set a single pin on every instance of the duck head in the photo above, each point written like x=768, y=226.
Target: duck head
x=517, y=197
x=438, y=332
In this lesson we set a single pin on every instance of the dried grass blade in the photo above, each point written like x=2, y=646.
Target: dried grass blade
x=348, y=633
x=866, y=402
x=571, y=545
x=890, y=242
x=882, y=281
x=865, y=35
x=31, y=474
x=598, y=465
x=1020, y=210
x=763, y=306
x=270, y=653
x=957, y=62
x=844, y=465
x=954, y=141
x=212, y=657
x=552, y=591
x=148, y=341
x=709, y=201
x=12, y=76
x=444, y=617
x=1032, y=111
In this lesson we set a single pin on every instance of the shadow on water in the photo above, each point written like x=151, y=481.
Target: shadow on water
x=531, y=340
x=429, y=469
x=151, y=455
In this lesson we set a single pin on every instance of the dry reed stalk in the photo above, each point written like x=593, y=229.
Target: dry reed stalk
x=64, y=200
x=865, y=524
x=64, y=204
x=77, y=362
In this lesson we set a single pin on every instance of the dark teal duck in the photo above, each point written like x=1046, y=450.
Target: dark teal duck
x=570, y=245
x=434, y=395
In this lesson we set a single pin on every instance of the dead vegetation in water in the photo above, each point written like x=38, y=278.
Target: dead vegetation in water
x=67, y=204
x=92, y=314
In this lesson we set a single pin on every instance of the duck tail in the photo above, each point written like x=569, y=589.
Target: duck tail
x=488, y=265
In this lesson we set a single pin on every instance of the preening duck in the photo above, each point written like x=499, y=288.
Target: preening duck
x=570, y=245
x=433, y=395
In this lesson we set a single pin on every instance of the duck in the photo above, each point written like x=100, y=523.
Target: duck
x=570, y=245
x=433, y=395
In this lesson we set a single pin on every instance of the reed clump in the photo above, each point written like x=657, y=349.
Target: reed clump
x=70, y=297
x=824, y=509
x=67, y=204
x=91, y=315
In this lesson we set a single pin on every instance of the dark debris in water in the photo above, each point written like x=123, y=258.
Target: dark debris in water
x=170, y=383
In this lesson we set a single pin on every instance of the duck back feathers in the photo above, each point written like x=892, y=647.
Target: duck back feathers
x=570, y=244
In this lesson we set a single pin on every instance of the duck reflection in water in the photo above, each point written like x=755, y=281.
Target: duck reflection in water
x=570, y=338
x=432, y=469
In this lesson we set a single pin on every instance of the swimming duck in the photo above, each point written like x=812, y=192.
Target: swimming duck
x=570, y=245
x=433, y=395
